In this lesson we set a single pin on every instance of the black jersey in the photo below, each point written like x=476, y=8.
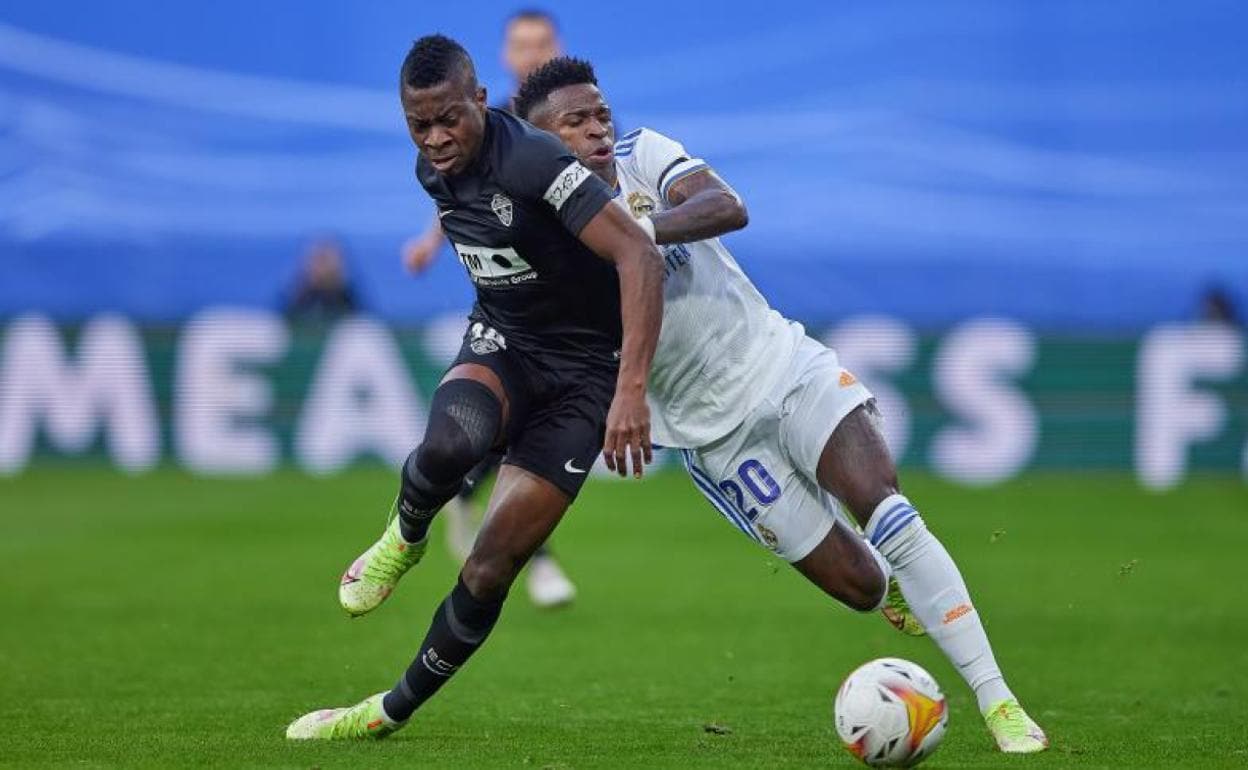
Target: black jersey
x=513, y=217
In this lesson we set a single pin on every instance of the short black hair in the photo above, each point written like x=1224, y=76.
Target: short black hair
x=533, y=14
x=557, y=73
x=434, y=59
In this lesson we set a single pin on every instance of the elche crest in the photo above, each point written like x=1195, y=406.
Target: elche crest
x=503, y=208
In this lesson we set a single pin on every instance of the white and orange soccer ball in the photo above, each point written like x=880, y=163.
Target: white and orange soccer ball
x=890, y=713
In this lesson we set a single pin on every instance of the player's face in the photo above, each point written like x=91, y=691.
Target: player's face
x=580, y=117
x=446, y=122
x=527, y=45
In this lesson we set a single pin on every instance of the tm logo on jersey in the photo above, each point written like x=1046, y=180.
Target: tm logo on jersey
x=495, y=266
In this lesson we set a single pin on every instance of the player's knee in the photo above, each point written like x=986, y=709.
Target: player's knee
x=870, y=486
x=875, y=485
x=489, y=576
x=446, y=455
x=464, y=421
x=863, y=494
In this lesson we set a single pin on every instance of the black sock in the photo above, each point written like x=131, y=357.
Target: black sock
x=460, y=625
x=419, y=501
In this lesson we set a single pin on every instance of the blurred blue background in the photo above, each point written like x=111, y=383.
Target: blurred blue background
x=1073, y=165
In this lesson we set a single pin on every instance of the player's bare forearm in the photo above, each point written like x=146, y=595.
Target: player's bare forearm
x=641, y=316
x=641, y=312
x=703, y=206
x=614, y=235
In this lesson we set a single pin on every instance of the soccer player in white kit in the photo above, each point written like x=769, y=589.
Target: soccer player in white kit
x=773, y=431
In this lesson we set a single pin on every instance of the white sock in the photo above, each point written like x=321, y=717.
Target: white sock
x=389, y=720
x=937, y=595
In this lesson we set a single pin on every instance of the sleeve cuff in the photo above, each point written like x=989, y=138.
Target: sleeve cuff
x=678, y=172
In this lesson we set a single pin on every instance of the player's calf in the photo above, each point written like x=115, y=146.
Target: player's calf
x=523, y=511
x=847, y=569
x=490, y=574
x=460, y=626
x=936, y=592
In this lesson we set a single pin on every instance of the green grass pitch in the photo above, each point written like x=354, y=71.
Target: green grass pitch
x=165, y=621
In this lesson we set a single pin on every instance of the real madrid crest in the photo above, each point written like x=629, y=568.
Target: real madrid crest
x=640, y=204
x=502, y=208
x=769, y=537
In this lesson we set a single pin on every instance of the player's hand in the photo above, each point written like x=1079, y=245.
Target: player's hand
x=628, y=432
x=418, y=252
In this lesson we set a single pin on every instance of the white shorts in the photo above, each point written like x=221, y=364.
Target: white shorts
x=761, y=476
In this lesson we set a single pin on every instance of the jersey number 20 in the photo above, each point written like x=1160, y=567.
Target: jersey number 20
x=754, y=478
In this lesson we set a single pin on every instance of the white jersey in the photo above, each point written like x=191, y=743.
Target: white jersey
x=722, y=347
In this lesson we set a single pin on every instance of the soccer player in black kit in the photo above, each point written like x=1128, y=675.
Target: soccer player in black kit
x=553, y=366
x=530, y=39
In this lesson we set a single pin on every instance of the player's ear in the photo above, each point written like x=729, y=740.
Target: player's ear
x=479, y=98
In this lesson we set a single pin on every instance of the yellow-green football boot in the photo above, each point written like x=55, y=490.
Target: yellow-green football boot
x=897, y=611
x=1014, y=731
x=361, y=721
x=372, y=577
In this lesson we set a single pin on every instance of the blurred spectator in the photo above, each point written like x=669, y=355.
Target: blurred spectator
x=1216, y=306
x=322, y=290
x=530, y=39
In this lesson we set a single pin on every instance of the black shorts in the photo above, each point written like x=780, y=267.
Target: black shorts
x=558, y=410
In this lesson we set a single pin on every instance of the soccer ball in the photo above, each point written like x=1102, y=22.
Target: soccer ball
x=890, y=713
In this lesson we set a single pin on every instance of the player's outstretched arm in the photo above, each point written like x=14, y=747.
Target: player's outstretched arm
x=614, y=236
x=702, y=206
x=418, y=252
